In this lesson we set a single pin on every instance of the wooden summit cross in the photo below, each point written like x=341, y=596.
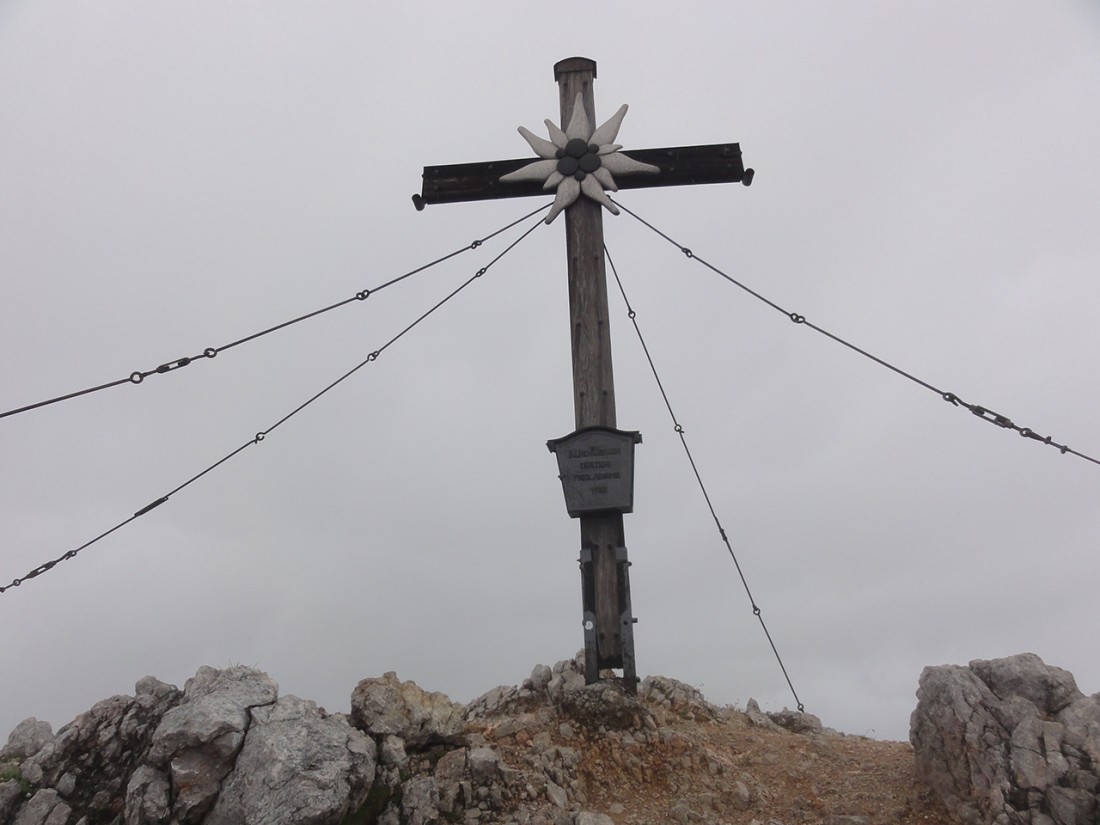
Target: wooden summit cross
x=579, y=161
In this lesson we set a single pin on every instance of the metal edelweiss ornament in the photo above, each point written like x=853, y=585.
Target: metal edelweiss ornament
x=579, y=161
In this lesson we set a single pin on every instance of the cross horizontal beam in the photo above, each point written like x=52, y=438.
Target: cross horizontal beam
x=680, y=166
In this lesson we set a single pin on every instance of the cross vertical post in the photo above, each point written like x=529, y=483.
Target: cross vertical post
x=609, y=641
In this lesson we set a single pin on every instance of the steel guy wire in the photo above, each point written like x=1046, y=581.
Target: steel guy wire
x=983, y=413
x=262, y=434
x=138, y=376
x=633, y=316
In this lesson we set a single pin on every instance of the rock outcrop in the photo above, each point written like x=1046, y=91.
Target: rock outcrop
x=1009, y=741
x=226, y=749
x=549, y=751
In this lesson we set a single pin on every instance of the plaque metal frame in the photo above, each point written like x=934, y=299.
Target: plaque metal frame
x=596, y=469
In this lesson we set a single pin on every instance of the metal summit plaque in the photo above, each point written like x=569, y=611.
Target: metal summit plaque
x=596, y=468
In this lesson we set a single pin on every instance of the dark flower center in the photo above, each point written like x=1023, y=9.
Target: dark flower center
x=578, y=158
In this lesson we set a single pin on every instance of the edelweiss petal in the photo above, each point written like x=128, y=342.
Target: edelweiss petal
x=607, y=132
x=591, y=187
x=568, y=191
x=543, y=148
x=532, y=171
x=604, y=177
x=556, y=134
x=578, y=124
x=620, y=164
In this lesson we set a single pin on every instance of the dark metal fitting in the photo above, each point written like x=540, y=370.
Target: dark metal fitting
x=801, y=708
x=183, y=362
x=259, y=437
x=210, y=352
x=686, y=251
x=163, y=368
x=746, y=179
x=481, y=272
x=678, y=428
x=418, y=202
x=755, y=610
x=373, y=356
x=475, y=244
x=143, y=511
x=798, y=319
x=951, y=398
x=631, y=315
x=136, y=378
x=362, y=295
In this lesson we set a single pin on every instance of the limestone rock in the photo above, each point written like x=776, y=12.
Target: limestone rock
x=483, y=764
x=495, y=702
x=28, y=738
x=92, y=758
x=420, y=801
x=44, y=808
x=197, y=741
x=796, y=721
x=1025, y=675
x=148, y=797
x=540, y=677
x=11, y=792
x=386, y=705
x=593, y=818
x=678, y=697
x=1008, y=740
x=297, y=765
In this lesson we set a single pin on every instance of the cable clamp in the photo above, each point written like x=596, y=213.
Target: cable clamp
x=163, y=368
x=147, y=508
x=992, y=417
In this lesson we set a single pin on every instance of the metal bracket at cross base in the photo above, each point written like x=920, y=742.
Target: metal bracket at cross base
x=622, y=653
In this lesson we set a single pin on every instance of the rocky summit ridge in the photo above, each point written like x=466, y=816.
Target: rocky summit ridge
x=228, y=749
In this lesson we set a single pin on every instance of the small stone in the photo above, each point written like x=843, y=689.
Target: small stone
x=557, y=795
x=393, y=751
x=66, y=785
x=592, y=818
x=540, y=677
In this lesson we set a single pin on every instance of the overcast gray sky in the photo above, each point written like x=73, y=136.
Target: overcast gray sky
x=175, y=176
